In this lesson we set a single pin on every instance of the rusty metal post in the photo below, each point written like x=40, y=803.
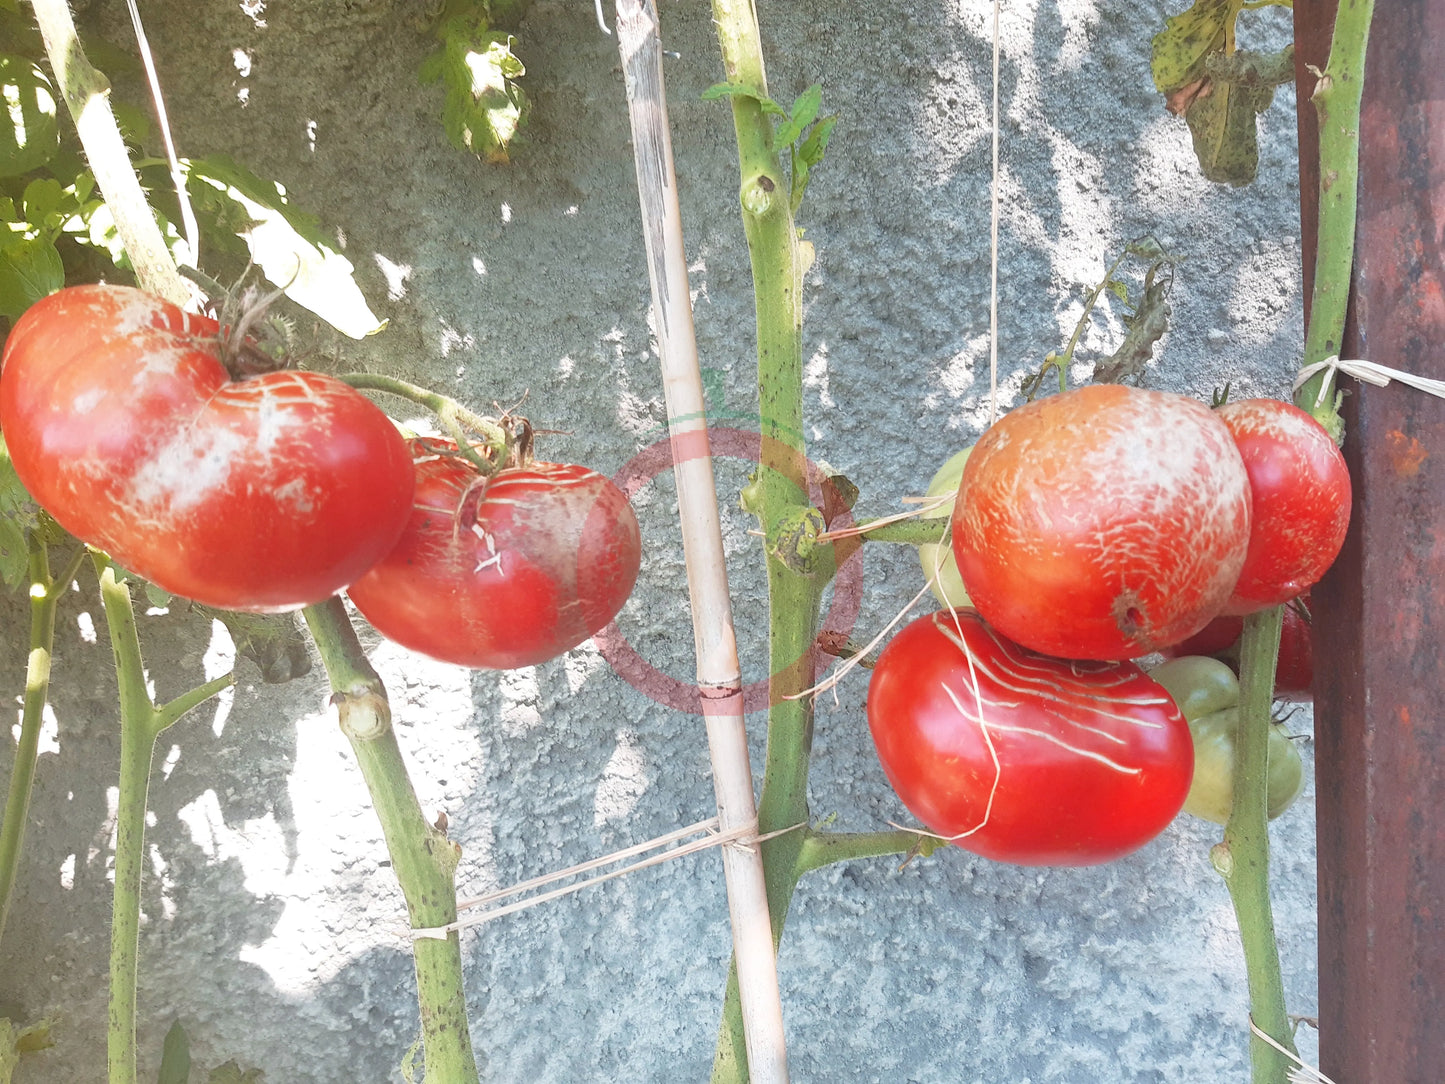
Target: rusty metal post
x=1380, y=614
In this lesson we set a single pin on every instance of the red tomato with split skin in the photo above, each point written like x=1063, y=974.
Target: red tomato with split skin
x=506, y=571
x=1024, y=758
x=1300, y=497
x=264, y=493
x=1103, y=523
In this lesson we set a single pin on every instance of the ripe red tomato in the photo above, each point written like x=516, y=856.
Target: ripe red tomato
x=1293, y=674
x=503, y=572
x=1102, y=523
x=1023, y=758
x=1300, y=490
x=263, y=494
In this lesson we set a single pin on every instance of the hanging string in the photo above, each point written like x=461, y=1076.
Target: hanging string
x=993, y=241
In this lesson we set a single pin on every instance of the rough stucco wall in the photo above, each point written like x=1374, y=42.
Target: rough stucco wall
x=272, y=930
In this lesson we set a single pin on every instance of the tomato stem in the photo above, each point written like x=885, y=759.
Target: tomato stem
x=455, y=419
x=1336, y=96
x=1243, y=857
x=780, y=492
x=141, y=723
x=45, y=593
x=913, y=532
x=422, y=856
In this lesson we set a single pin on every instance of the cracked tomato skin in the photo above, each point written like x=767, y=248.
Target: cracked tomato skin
x=1301, y=501
x=503, y=572
x=261, y=494
x=1102, y=523
x=1043, y=762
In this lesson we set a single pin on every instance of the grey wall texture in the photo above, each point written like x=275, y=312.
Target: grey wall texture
x=273, y=928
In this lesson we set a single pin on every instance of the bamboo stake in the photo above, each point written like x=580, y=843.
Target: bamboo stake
x=718, y=673
x=87, y=95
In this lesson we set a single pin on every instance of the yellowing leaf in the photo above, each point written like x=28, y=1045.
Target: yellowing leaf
x=1187, y=38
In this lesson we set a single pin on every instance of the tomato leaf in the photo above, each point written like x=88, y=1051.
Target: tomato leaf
x=805, y=111
x=484, y=107
x=288, y=246
x=14, y=556
x=1225, y=133
x=30, y=268
x=32, y=135
x=807, y=155
x=1179, y=50
x=1145, y=328
x=743, y=90
x=271, y=641
x=231, y=1073
x=17, y=1041
x=175, y=1057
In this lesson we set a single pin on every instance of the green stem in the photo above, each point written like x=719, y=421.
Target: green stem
x=778, y=497
x=910, y=532
x=422, y=856
x=141, y=723
x=1243, y=857
x=45, y=594
x=825, y=848
x=455, y=418
x=1337, y=101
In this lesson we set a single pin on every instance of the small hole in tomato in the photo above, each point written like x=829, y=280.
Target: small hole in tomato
x=1133, y=618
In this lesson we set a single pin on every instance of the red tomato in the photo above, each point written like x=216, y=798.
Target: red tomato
x=1293, y=674
x=261, y=494
x=503, y=572
x=1215, y=638
x=1023, y=758
x=1102, y=523
x=1300, y=489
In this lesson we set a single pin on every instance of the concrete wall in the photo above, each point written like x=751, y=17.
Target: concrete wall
x=272, y=928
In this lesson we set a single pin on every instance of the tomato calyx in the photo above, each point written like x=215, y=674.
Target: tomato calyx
x=252, y=340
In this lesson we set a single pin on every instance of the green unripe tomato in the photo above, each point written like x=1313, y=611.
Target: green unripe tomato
x=1199, y=685
x=1212, y=792
x=1207, y=693
x=936, y=558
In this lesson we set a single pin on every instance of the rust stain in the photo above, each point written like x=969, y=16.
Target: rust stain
x=1431, y=299
x=1406, y=453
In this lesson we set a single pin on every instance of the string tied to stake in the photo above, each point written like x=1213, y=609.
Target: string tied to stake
x=744, y=835
x=1367, y=372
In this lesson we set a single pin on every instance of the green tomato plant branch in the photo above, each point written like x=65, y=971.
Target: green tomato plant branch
x=798, y=566
x=45, y=592
x=141, y=723
x=1243, y=857
x=423, y=858
x=455, y=418
x=1336, y=98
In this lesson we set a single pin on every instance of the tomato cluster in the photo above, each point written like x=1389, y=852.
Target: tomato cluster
x=275, y=490
x=1090, y=528
x=261, y=494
